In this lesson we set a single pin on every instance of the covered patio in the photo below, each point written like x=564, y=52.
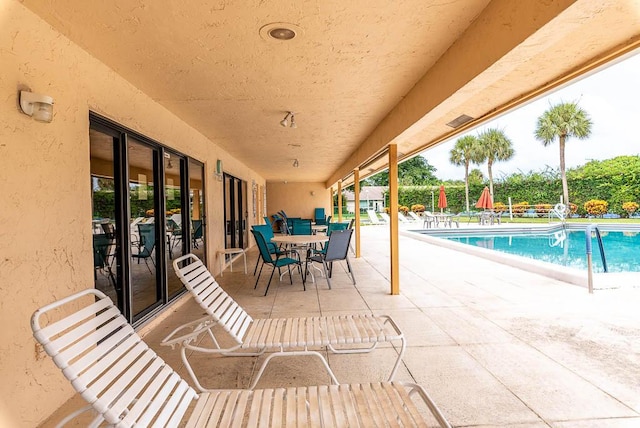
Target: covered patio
x=495, y=346
x=224, y=112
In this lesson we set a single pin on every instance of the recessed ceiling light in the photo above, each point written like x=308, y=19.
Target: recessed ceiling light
x=281, y=31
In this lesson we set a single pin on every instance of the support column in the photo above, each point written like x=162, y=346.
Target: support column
x=340, y=201
x=393, y=213
x=331, y=202
x=356, y=193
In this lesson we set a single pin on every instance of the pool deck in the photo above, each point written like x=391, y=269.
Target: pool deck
x=494, y=345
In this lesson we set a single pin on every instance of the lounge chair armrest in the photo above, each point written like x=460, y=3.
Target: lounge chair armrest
x=196, y=328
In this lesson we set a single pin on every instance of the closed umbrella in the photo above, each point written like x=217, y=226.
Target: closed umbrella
x=485, y=200
x=442, y=199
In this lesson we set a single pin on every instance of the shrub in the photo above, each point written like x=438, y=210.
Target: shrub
x=573, y=208
x=630, y=207
x=519, y=208
x=596, y=207
x=417, y=208
x=403, y=209
x=542, y=209
x=499, y=207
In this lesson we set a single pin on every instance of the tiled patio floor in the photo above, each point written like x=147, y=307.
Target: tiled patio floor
x=495, y=346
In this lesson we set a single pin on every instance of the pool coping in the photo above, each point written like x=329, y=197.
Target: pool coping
x=562, y=273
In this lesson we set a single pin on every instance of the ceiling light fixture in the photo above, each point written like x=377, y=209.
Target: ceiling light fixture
x=296, y=163
x=285, y=122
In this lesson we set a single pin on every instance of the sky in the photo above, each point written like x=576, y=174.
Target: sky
x=611, y=97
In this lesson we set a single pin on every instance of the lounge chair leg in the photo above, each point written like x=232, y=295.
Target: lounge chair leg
x=294, y=353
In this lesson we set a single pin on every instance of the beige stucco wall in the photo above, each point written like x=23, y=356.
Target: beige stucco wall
x=297, y=199
x=45, y=220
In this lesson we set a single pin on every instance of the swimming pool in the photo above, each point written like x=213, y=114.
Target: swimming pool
x=557, y=245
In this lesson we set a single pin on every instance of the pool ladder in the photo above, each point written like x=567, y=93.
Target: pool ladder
x=588, y=233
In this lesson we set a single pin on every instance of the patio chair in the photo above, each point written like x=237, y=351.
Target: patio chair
x=373, y=217
x=267, y=233
x=146, y=245
x=429, y=220
x=301, y=227
x=385, y=218
x=279, y=262
x=414, y=217
x=403, y=219
x=197, y=234
x=318, y=216
x=127, y=384
x=337, y=249
x=356, y=333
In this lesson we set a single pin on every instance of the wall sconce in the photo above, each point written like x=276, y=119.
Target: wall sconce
x=40, y=107
x=313, y=193
x=218, y=172
x=296, y=163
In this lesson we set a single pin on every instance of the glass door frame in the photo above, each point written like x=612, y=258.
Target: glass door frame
x=122, y=215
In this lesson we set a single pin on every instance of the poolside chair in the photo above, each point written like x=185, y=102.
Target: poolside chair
x=357, y=333
x=280, y=261
x=336, y=249
x=414, y=217
x=318, y=216
x=373, y=217
x=385, y=218
x=403, y=219
x=429, y=220
x=127, y=384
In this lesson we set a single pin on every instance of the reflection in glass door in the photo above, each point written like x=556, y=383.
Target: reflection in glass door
x=106, y=242
x=176, y=227
x=148, y=209
x=196, y=207
x=235, y=212
x=146, y=291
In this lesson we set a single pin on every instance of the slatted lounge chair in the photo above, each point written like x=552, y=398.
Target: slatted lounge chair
x=127, y=384
x=373, y=217
x=285, y=336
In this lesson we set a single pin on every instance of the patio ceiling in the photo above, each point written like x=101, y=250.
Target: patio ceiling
x=359, y=74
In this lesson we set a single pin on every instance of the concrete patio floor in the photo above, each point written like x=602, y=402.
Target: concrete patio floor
x=495, y=346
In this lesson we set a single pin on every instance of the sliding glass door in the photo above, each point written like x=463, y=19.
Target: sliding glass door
x=148, y=209
x=235, y=212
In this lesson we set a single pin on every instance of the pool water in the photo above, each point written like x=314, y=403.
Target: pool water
x=564, y=248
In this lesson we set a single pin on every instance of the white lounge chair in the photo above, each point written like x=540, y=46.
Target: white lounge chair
x=287, y=336
x=403, y=219
x=414, y=217
x=373, y=217
x=385, y=218
x=127, y=384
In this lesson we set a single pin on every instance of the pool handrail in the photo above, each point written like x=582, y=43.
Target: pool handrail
x=587, y=234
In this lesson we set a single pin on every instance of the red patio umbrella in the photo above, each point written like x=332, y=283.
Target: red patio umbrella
x=485, y=200
x=442, y=199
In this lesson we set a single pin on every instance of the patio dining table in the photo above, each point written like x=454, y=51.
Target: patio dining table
x=300, y=241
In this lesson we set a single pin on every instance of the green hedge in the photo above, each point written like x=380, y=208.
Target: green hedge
x=615, y=181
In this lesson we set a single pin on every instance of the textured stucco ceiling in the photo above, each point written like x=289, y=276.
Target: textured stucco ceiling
x=360, y=73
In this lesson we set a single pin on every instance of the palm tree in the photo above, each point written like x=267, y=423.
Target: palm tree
x=493, y=145
x=463, y=153
x=563, y=120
